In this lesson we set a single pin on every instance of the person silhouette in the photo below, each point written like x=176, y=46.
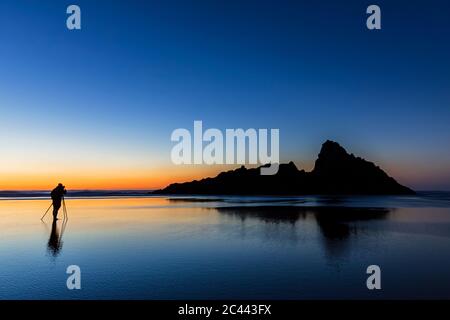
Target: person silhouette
x=57, y=194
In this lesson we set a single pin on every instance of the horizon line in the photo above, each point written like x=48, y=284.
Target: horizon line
x=153, y=189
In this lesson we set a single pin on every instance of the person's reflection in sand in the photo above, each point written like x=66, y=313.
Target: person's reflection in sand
x=55, y=243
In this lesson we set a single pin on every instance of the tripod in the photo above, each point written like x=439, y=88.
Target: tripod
x=51, y=205
x=65, y=216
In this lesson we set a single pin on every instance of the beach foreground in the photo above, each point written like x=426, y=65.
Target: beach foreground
x=227, y=248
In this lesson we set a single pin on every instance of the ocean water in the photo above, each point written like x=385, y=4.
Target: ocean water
x=133, y=246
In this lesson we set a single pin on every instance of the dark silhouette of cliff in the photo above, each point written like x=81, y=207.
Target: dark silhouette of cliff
x=335, y=172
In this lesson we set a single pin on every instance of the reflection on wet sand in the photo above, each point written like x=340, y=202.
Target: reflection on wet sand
x=336, y=224
x=55, y=243
x=333, y=221
x=275, y=250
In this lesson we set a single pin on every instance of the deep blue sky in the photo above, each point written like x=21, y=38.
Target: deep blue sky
x=110, y=94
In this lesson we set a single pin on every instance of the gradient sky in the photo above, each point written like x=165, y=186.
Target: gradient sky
x=95, y=108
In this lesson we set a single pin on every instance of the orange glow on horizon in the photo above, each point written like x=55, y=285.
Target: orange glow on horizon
x=144, y=179
x=148, y=178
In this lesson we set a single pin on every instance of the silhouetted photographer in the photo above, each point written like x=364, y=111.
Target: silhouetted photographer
x=57, y=195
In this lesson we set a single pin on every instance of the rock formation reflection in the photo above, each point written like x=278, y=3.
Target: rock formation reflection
x=336, y=224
